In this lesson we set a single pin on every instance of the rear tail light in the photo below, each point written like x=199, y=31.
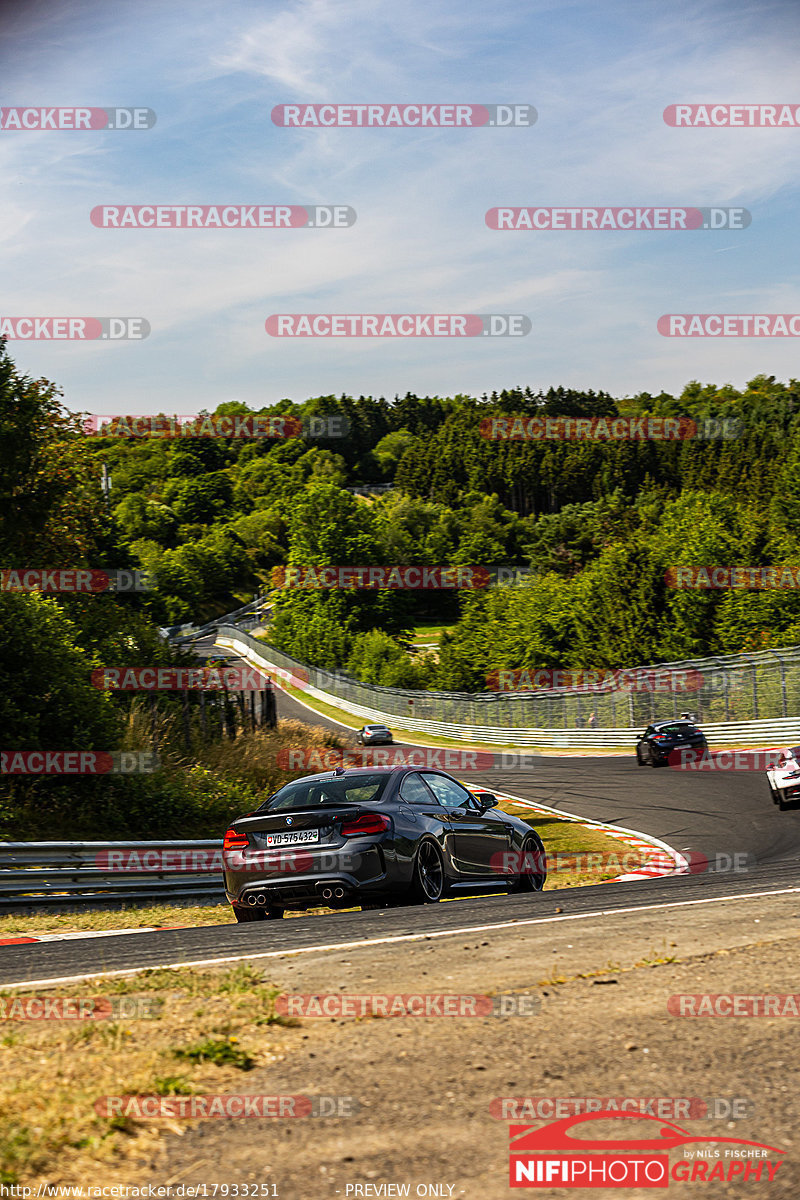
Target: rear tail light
x=369, y=823
x=234, y=840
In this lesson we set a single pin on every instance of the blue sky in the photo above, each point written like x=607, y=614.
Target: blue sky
x=599, y=76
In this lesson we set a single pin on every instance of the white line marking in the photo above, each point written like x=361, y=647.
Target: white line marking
x=403, y=937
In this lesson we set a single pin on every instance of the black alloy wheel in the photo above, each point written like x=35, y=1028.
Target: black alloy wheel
x=428, y=883
x=530, y=881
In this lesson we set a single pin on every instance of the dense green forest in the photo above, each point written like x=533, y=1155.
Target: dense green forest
x=597, y=523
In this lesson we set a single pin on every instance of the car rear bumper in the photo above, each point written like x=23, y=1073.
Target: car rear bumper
x=307, y=878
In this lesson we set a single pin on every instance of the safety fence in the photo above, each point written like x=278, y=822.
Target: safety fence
x=743, y=699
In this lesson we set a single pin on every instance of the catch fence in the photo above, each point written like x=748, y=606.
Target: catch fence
x=744, y=694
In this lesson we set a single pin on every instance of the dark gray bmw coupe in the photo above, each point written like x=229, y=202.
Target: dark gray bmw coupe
x=375, y=836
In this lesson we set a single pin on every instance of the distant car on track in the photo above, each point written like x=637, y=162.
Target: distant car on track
x=375, y=836
x=662, y=738
x=784, y=778
x=375, y=735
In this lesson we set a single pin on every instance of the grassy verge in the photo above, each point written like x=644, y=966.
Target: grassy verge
x=191, y=1033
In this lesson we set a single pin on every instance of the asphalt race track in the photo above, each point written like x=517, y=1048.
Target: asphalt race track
x=718, y=814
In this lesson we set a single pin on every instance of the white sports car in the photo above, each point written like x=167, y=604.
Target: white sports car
x=784, y=778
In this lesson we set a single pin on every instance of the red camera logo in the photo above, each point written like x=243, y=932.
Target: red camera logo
x=552, y=1156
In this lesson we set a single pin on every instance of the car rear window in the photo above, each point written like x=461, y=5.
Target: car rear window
x=313, y=793
x=682, y=727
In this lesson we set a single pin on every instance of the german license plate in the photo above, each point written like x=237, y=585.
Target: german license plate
x=294, y=838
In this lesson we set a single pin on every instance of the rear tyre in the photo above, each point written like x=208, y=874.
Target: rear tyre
x=782, y=803
x=527, y=880
x=248, y=914
x=260, y=913
x=427, y=885
x=639, y=760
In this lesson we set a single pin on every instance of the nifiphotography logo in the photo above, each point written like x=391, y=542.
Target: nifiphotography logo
x=552, y=1157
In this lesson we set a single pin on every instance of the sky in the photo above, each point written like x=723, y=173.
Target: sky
x=599, y=76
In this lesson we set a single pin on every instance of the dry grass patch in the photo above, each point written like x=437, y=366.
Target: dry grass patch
x=208, y=1031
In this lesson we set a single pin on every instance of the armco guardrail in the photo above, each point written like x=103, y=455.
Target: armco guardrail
x=729, y=714
x=53, y=874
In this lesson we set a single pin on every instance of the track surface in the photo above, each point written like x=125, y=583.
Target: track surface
x=716, y=814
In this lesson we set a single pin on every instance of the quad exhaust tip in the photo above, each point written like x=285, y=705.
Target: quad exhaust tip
x=332, y=893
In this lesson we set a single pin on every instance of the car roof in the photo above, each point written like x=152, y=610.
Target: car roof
x=354, y=772
x=673, y=721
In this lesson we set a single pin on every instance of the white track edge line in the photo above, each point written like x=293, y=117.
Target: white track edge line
x=404, y=937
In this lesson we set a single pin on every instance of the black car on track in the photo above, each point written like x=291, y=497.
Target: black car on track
x=663, y=738
x=375, y=836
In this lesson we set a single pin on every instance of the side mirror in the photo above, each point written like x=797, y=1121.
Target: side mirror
x=486, y=799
